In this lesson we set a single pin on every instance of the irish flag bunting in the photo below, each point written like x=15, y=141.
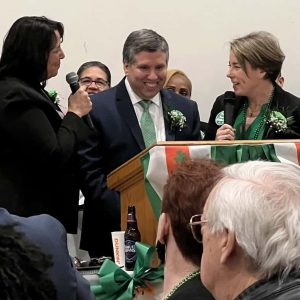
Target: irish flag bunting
x=159, y=162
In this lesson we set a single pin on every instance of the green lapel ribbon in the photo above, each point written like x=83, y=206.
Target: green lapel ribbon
x=116, y=284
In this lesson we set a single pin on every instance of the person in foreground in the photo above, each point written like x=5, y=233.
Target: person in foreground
x=129, y=117
x=23, y=269
x=261, y=108
x=251, y=236
x=38, y=156
x=95, y=76
x=38, y=253
x=183, y=253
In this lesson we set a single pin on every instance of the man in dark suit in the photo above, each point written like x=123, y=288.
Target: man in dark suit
x=50, y=236
x=118, y=118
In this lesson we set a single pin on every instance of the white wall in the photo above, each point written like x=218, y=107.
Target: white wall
x=197, y=32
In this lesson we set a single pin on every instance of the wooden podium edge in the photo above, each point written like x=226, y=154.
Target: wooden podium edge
x=134, y=167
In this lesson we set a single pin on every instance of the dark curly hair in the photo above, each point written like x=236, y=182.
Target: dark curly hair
x=23, y=268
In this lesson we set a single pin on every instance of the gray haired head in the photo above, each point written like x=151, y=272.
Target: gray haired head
x=259, y=202
x=143, y=40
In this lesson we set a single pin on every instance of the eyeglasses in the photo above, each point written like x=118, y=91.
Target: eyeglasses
x=100, y=83
x=195, y=225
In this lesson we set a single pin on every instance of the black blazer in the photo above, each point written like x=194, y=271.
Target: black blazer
x=38, y=162
x=284, y=102
x=118, y=139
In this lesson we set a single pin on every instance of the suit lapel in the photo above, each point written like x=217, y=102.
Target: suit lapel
x=126, y=111
x=167, y=106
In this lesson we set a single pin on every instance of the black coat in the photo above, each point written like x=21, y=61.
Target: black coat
x=284, y=102
x=272, y=289
x=38, y=163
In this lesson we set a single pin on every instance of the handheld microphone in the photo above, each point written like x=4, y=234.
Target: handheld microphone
x=229, y=99
x=72, y=80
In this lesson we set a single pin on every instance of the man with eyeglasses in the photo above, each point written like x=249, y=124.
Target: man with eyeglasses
x=128, y=118
x=251, y=233
x=95, y=76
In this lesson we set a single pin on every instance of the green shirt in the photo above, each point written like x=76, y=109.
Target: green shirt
x=256, y=130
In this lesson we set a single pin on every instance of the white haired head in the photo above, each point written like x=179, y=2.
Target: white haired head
x=260, y=202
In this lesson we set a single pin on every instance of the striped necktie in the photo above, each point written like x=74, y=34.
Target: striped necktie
x=147, y=124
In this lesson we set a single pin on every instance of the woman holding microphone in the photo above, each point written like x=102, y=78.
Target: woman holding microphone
x=38, y=161
x=261, y=108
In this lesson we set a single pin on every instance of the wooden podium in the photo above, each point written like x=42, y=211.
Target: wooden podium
x=128, y=179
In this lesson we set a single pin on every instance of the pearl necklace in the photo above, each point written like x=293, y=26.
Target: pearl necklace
x=184, y=280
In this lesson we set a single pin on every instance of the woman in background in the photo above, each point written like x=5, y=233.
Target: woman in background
x=95, y=76
x=178, y=82
x=262, y=109
x=38, y=163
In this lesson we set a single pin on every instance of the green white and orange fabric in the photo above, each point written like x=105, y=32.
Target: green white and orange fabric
x=159, y=161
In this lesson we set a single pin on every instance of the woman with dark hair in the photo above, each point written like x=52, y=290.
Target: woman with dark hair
x=95, y=76
x=38, y=163
x=24, y=268
x=261, y=108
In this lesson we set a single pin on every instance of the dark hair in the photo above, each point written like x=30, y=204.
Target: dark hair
x=143, y=40
x=26, y=48
x=185, y=195
x=98, y=64
x=23, y=268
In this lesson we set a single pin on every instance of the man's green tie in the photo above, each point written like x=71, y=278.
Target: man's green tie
x=147, y=124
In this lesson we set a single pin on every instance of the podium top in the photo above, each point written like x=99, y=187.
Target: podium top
x=198, y=143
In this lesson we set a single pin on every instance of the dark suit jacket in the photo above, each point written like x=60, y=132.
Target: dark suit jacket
x=118, y=139
x=38, y=154
x=48, y=234
x=284, y=102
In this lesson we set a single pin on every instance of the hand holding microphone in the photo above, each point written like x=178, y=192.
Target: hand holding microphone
x=226, y=131
x=79, y=102
x=229, y=100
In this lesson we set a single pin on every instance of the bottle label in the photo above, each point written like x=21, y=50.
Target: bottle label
x=130, y=252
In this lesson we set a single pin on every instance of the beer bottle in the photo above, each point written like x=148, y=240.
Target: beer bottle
x=132, y=235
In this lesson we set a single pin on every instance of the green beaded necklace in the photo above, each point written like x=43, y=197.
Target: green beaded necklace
x=263, y=118
x=184, y=280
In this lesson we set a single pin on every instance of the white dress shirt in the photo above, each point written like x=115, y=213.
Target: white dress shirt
x=155, y=109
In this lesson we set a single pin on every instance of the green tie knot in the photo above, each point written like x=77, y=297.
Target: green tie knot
x=145, y=104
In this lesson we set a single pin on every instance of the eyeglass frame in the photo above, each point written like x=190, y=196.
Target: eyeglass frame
x=192, y=223
x=103, y=83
